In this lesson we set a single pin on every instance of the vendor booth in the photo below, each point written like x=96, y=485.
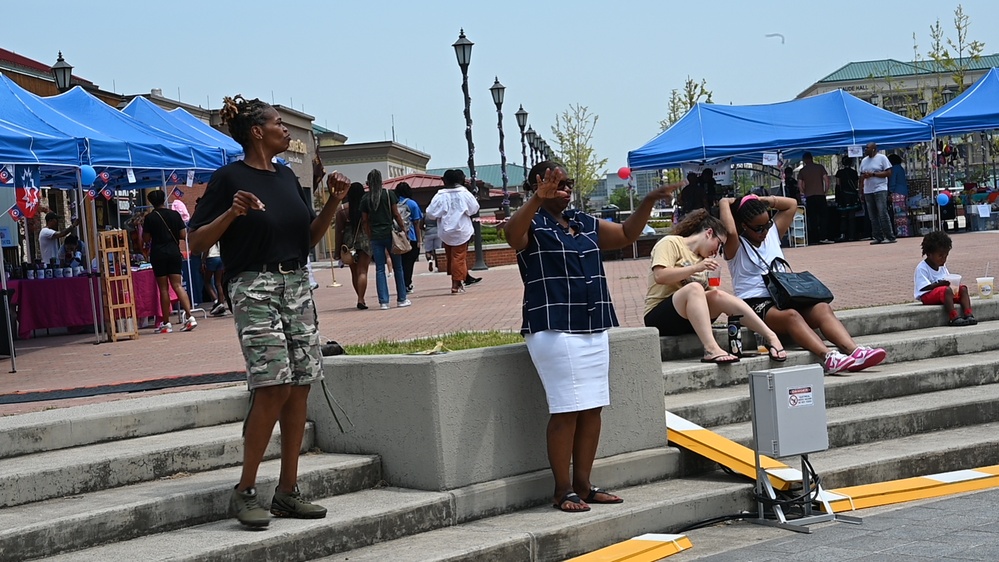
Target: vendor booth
x=73, y=140
x=823, y=124
x=973, y=110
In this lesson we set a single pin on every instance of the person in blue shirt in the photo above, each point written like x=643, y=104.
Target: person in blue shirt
x=414, y=218
x=567, y=311
x=898, y=191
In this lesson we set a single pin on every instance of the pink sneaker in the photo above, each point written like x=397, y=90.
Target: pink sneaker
x=864, y=357
x=836, y=362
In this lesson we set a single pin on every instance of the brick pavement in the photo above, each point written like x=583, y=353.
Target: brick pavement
x=860, y=275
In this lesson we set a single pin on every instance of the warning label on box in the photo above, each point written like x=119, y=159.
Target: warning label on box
x=798, y=397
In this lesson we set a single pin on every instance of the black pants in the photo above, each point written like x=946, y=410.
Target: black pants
x=815, y=212
x=409, y=261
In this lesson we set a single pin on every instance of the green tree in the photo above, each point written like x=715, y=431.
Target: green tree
x=966, y=51
x=680, y=102
x=620, y=197
x=573, y=133
x=958, y=63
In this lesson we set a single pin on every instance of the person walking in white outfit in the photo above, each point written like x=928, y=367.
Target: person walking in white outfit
x=452, y=208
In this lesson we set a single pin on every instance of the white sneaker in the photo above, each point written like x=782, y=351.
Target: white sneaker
x=836, y=362
x=383, y=306
x=404, y=303
x=189, y=324
x=864, y=357
x=164, y=328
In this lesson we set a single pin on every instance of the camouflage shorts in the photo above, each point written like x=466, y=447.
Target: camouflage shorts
x=277, y=326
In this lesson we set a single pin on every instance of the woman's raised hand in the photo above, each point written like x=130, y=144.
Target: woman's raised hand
x=244, y=201
x=548, y=185
x=338, y=184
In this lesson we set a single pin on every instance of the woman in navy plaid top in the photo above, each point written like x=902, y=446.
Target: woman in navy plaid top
x=567, y=311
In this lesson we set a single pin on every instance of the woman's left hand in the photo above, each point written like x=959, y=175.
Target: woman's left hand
x=338, y=184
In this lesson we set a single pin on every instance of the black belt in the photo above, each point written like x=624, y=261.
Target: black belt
x=284, y=267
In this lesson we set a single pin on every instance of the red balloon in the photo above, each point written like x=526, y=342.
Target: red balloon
x=624, y=173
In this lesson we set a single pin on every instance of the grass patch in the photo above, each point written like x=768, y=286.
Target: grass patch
x=453, y=342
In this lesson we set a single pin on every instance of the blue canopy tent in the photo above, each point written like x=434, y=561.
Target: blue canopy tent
x=822, y=124
x=171, y=122
x=225, y=141
x=975, y=109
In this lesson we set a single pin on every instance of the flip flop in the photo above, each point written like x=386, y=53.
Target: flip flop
x=573, y=498
x=720, y=359
x=774, y=354
x=592, y=496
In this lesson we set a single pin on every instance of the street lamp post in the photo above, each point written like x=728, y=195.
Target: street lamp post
x=497, y=90
x=463, y=51
x=531, y=135
x=521, y=116
x=62, y=72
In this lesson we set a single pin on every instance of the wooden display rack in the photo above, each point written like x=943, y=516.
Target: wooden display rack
x=119, y=293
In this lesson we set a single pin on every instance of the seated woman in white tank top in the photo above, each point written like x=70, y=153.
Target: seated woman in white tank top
x=754, y=227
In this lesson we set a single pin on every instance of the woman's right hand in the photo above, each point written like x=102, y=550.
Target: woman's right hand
x=243, y=202
x=707, y=264
x=548, y=185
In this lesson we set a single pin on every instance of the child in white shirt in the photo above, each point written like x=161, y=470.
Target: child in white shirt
x=932, y=286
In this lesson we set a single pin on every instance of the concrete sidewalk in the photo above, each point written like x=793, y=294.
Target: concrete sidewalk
x=860, y=275
x=960, y=527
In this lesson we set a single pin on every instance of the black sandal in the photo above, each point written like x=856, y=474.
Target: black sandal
x=592, y=496
x=773, y=352
x=573, y=498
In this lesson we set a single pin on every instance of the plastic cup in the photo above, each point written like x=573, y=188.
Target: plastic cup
x=955, y=281
x=714, y=278
x=985, y=287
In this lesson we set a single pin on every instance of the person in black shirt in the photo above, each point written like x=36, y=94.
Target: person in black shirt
x=847, y=199
x=162, y=231
x=259, y=212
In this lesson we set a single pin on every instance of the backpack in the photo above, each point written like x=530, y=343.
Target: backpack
x=406, y=215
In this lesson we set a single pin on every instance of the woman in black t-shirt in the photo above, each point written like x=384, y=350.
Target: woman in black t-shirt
x=259, y=212
x=162, y=231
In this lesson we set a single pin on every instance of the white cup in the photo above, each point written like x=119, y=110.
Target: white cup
x=57, y=273
x=985, y=287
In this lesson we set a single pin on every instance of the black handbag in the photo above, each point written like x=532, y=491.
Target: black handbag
x=789, y=289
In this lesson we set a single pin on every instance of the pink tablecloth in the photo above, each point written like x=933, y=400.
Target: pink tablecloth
x=65, y=303
x=147, y=296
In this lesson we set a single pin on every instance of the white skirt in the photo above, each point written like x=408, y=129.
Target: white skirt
x=573, y=368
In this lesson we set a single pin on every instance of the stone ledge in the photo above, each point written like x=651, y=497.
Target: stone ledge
x=447, y=421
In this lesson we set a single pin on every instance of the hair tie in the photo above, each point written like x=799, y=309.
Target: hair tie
x=747, y=197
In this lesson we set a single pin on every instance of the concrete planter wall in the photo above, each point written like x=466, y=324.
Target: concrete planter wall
x=447, y=421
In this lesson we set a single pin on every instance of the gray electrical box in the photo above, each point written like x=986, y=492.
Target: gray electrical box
x=789, y=411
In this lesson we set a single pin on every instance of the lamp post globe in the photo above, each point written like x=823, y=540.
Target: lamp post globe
x=463, y=52
x=497, y=90
x=62, y=72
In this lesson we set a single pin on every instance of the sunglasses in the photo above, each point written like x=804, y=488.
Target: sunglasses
x=567, y=184
x=762, y=228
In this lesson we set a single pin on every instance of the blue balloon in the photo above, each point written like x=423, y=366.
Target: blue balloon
x=942, y=199
x=87, y=175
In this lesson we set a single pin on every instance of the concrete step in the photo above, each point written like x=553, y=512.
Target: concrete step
x=82, y=521
x=538, y=534
x=353, y=520
x=81, y=470
x=689, y=375
x=894, y=418
x=63, y=428
x=858, y=322
x=368, y=517
x=721, y=406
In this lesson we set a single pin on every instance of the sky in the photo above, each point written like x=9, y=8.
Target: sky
x=365, y=68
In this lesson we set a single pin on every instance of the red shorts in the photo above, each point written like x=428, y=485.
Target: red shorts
x=936, y=296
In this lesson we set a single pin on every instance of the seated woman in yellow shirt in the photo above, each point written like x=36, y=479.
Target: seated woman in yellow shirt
x=680, y=300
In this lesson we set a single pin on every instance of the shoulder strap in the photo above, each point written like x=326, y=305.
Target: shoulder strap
x=762, y=263
x=167, y=226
